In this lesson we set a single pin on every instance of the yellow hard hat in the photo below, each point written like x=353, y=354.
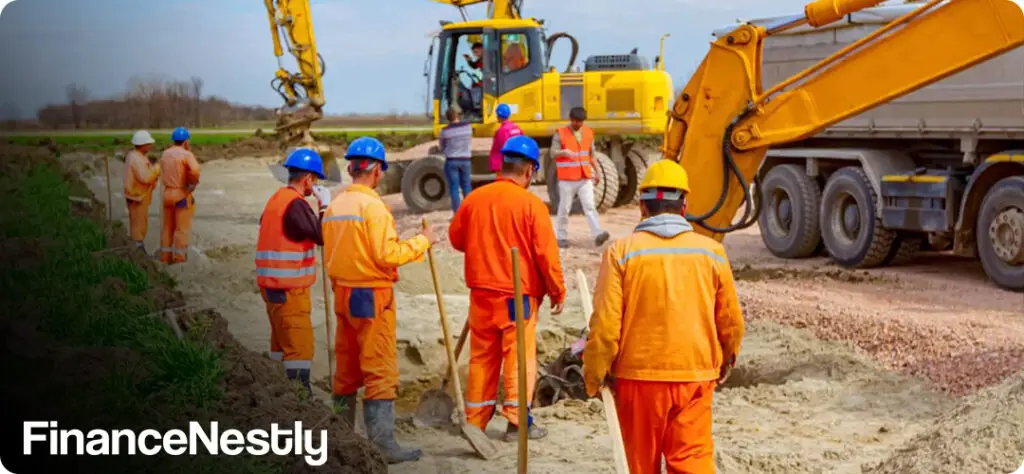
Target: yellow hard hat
x=666, y=174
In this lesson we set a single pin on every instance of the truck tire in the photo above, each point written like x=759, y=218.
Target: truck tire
x=637, y=160
x=789, y=219
x=904, y=249
x=851, y=226
x=1000, y=233
x=424, y=186
x=605, y=192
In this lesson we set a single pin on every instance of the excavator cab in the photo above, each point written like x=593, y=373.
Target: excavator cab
x=511, y=56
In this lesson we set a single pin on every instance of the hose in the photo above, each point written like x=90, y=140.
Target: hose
x=751, y=200
x=575, y=49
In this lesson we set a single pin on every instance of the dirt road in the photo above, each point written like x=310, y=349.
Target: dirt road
x=904, y=341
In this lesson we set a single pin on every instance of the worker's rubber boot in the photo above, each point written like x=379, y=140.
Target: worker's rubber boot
x=301, y=375
x=602, y=238
x=533, y=432
x=379, y=416
x=345, y=405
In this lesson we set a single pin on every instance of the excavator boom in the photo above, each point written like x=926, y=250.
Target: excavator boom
x=496, y=9
x=722, y=123
x=291, y=26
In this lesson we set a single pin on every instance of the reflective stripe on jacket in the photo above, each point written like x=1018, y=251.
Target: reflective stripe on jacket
x=361, y=241
x=665, y=308
x=281, y=263
x=578, y=167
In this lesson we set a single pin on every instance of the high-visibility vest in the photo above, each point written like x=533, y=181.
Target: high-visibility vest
x=575, y=168
x=281, y=263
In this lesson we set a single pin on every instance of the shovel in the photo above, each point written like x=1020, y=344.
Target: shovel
x=436, y=406
x=476, y=437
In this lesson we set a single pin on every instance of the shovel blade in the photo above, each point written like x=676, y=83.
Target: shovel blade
x=482, y=444
x=435, y=408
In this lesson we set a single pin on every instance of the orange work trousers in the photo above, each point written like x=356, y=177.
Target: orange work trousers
x=365, y=347
x=493, y=353
x=138, y=218
x=666, y=419
x=291, y=329
x=177, y=230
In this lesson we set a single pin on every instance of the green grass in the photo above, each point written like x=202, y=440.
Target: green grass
x=97, y=306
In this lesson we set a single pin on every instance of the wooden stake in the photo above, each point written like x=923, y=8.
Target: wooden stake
x=110, y=190
x=521, y=358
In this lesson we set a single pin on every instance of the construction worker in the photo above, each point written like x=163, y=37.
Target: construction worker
x=363, y=255
x=286, y=262
x=508, y=129
x=492, y=220
x=577, y=172
x=139, y=181
x=456, y=142
x=180, y=178
x=666, y=330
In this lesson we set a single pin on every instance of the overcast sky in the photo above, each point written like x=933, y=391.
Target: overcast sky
x=374, y=49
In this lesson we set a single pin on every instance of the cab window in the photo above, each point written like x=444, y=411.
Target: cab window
x=515, y=53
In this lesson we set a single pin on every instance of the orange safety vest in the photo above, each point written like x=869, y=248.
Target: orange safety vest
x=575, y=168
x=282, y=264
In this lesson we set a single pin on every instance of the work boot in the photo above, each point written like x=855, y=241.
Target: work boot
x=345, y=405
x=602, y=238
x=379, y=416
x=563, y=243
x=533, y=432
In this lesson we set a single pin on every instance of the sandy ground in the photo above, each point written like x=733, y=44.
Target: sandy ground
x=917, y=336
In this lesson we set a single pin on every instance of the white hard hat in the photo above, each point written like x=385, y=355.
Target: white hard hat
x=142, y=137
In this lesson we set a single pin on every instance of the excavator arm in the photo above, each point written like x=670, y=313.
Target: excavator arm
x=722, y=123
x=496, y=9
x=291, y=26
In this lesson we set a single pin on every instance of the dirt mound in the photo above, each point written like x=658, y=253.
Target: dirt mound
x=984, y=434
x=763, y=273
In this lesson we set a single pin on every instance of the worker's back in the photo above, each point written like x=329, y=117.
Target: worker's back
x=180, y=170
x=677, y=296
x=493, y=219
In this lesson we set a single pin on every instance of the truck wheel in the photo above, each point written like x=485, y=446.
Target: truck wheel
x=637, y=160
x=424, y=187
x=605, y=192
x=541, y=176
x=789, y=218
x=1000, y=233
x=904, y=249
x=850, y=225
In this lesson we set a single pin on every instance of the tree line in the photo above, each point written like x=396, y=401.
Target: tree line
x=148, y=103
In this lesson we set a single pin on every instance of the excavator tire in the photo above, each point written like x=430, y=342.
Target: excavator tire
x=849, y=197
x=424, y=187
x=637, y=160
x=605, y=192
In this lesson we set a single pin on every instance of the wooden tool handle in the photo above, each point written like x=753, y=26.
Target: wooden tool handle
x=327, y=314
x=521, y=365
x=610, y=413
x=452, y=369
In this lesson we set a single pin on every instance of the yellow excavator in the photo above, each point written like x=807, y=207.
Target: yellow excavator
x=623, y=94
x=875, y=206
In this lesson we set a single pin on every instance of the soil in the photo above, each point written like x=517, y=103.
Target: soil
x=840, y=368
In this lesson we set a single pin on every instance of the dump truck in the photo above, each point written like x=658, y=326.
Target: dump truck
x=941, y=168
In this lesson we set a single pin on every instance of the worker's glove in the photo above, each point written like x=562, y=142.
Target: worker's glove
x=323, y=195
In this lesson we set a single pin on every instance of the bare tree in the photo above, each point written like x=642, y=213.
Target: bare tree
x=10, y=113
x=197, y=95
x=77, y=96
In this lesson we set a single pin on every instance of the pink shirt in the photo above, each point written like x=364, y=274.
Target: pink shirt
x=506, y=131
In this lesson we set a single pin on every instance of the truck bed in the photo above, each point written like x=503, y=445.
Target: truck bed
x=985, y=102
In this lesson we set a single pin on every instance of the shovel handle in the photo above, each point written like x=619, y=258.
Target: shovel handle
x=521, y=366
x=447, y=336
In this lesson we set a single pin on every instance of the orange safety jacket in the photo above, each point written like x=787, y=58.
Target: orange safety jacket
x=281, y=263
x=575, y=168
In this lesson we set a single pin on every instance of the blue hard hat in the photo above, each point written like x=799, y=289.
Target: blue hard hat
x=503, y=111
x=367, y=147
x=522, y=146
x=306, y=160
x=180, y=134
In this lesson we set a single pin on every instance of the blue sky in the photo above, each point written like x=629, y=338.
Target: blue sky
x=374, y=49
